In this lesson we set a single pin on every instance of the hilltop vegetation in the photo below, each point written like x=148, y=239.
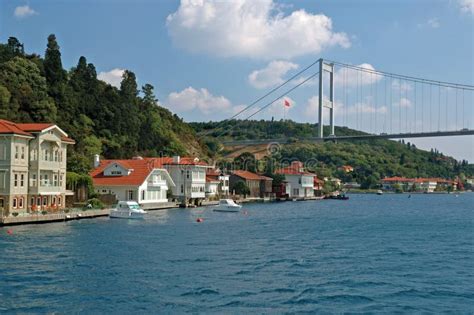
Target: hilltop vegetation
x=371, y=159
x=115, y=122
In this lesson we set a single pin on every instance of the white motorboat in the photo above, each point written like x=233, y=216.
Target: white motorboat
x=379, y=192
x=127, y=210
x=227, y=205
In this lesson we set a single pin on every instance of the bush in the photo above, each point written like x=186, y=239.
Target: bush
x=15, y=214
x=95, y=203
x=44, y=212
x=67, y=210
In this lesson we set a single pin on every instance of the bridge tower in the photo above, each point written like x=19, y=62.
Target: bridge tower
x=329, y=102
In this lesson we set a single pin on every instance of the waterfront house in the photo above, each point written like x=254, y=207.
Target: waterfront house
x=143, y=180
x=427, y=185
x=260, y=186
x=189, y=176
x=32, y=167
x=299, y=183
x=318, y=186
x=214, y=176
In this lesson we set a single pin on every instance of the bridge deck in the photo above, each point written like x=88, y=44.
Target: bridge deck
x=464, y=132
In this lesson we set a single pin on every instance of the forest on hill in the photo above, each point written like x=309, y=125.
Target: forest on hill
x=114, y=122
x=371, y=159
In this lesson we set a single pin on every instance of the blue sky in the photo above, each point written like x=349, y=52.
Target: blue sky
x=208, y=59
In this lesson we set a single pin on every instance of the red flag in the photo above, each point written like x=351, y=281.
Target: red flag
x=287, y=103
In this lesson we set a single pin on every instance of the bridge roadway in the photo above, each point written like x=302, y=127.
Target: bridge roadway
x=463, y=132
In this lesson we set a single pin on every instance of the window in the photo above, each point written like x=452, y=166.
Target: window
x=3, y=152
x=22, y=153
x=130, y=195
x=104, y=191
x=61, y=180
x=33, y=180
x=53, y=202
x=143, y=194
x=20, y=203
x=59, y=201
x=32, y=201
x=2, y=179
x=17, y=152
x=182, y=188
x=14, y=203
x=15, y=181
x=55, y=180
x=38, y=201
x=22, y=180
x=187, y=174
x=45, y=201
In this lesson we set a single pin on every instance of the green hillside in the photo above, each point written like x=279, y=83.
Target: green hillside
x=117, y=123
x=371, y=159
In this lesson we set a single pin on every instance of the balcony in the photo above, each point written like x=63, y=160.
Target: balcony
x=45, y=188
x=157, y=183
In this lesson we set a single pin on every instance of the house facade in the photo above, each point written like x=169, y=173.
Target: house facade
x=299, y=183
x=32, y=167
x=217, y=183
x=189, y=176
x=260, y=186
x=143, y=180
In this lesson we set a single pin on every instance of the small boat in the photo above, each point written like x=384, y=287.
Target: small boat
x=227, y=205
x=127, y=210
x=379, y=192
x=338, y=197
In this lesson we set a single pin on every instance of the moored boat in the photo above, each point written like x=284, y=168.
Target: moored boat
x=227, y=205
x=379, y=192
x=128, y=210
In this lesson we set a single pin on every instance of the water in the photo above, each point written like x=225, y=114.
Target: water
x=370, y=254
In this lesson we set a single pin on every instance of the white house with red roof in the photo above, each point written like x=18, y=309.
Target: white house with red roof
x=32, y=167
x=144, y=180
x=299, y=183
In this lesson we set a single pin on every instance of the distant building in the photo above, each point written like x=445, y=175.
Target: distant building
x=32, y=167
x=144, y=180
x=347, y=168
x=427, y=185
x=260, y=186
x=299, y=183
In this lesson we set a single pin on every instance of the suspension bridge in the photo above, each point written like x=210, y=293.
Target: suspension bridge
x=382, y=105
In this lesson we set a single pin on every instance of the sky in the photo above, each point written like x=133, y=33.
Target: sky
x=209, y=59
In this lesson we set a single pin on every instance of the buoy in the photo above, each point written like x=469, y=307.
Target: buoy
x=9, y=232
x=199, y=220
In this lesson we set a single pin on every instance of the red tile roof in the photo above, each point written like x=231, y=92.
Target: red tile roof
x=212, y=179
x=8, y=127
x=417, y=180
x=140, y=169
x=183, y=161
x=32, y=127
x=318, y=181
x=251, y=176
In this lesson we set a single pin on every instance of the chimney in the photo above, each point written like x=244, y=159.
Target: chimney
x=96, y=160
x=176, y=159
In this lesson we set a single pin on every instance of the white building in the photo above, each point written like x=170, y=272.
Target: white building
x=214, y=176
x=299, y=183
x=189, y=176
x=32, y=167
x=143, y=180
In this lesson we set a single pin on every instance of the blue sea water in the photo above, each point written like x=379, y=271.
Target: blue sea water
x=370, y=254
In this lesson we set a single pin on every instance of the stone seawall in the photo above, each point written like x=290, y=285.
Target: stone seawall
x=53, y=217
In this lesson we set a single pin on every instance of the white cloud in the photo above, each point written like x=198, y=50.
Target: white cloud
x=312, y=107
x=271, y=75
x=467, y=6
x=432, y=23
x=249, y=28
x=202, y=100
x=403, y=86
x=353, y=77
x=404, y=102
x=24, y=11
x=112, y=77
